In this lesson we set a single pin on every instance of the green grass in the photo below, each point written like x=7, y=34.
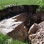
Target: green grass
x=4, y=40
x=19, y=2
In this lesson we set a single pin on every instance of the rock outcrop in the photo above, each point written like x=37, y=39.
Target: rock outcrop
x=14, y=27
x=36, y=33
x=16, y=21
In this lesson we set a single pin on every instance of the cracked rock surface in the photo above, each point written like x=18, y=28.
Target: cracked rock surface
x=38, y=36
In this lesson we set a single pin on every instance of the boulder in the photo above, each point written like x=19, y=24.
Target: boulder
x=14, y=28
x=38, y=36
x=20, y=32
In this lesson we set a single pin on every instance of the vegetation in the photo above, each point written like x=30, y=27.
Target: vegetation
x=4, y=40
x=21, y=2
x=18, y=2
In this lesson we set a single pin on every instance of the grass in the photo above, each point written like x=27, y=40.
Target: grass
x=4, y=40
x=20, y=2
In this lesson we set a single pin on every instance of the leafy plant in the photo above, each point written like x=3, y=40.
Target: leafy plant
x=4, y=39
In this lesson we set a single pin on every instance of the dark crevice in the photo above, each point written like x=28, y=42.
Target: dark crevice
x=15, y=10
